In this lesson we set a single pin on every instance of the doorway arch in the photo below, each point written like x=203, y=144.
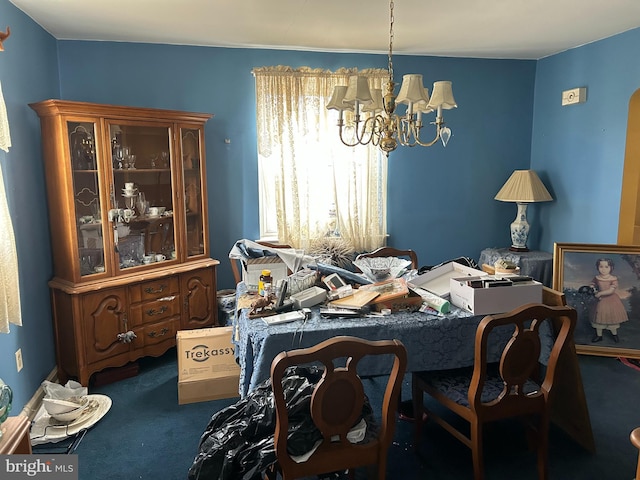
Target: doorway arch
x=629, y=221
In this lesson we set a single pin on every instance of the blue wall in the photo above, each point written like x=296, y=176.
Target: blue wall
x=436, y=196
x=28, y=72
x=579, y=149
x=440, y=200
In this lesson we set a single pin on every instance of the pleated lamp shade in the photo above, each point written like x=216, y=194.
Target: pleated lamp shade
x=523, y=186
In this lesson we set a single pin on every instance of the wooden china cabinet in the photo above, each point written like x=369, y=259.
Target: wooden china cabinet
x=128, y=213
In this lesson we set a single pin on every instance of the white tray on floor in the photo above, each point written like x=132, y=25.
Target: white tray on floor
x=46, y=429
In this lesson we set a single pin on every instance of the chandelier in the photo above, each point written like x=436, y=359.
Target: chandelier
x=372, y=117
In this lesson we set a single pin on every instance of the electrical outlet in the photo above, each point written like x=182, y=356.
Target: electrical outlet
x=19, y=363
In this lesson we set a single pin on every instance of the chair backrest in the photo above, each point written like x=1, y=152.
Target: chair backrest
x=235, y=263
x=553, y=297
x=519, y=362
x=392, y=252
x=336, y=405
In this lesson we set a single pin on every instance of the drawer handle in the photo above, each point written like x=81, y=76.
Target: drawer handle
x=162, y=333
x=152, y=311
x=159, y=290
x=126, y=337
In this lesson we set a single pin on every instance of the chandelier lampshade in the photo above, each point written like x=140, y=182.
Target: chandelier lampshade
x=357, y=91
x=377, y=104
x=412, y=91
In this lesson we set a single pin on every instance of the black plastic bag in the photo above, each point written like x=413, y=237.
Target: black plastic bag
x=238, y=441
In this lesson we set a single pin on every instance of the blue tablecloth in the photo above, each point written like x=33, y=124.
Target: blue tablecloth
x=433, y=341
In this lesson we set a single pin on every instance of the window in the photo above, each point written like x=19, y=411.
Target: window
x=311, y=185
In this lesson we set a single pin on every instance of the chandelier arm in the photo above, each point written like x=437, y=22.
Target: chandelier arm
x=363, y=132
x=405, y=132
x=360, y=134
x=439, y=123
x=377, y=124
x=429, y=144
x=340, y=126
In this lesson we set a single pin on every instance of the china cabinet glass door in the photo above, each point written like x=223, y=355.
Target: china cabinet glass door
x=141, y=212
x=86, y=194
x=193, y=177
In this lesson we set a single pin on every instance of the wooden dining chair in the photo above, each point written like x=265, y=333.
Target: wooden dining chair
x=512, y=389
x=337, y=405
x=236, y=266
x=392, y=252
x=635, y=440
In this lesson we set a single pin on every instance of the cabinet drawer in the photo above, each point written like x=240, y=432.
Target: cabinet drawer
x=154, y=311
x=152, y=334
x=154, y=289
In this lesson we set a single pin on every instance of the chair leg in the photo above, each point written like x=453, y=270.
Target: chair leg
x=381, y=468
x=477, y=450
x=543, y=448
x=417, y=398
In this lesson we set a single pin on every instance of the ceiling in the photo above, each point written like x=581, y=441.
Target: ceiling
x=521, y=29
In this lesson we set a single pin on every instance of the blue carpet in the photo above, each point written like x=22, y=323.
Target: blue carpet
x=147, y=435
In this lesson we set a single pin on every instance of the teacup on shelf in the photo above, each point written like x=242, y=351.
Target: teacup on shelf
x=156, y=211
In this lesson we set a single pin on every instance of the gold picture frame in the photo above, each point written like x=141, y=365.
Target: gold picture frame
x=576, y=273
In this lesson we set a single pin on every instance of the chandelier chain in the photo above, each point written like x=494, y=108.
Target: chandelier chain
x=391, y=19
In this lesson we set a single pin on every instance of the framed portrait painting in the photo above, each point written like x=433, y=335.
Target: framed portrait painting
x=602, y=282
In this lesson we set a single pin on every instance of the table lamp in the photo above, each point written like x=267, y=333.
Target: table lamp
x=523, y=187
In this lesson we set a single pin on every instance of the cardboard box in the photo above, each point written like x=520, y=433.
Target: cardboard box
x=252, y=269
x=437, y=280
x=309, y=297
x=485, y=301
x=207, y=368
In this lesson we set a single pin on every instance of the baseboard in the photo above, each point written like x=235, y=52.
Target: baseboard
x=33, y=405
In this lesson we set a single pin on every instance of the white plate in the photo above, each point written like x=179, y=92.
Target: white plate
x=46, y=429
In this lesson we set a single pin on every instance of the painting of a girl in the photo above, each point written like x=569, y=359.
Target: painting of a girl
x=609, y=311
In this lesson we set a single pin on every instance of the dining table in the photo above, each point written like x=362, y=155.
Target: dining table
x=434, y=341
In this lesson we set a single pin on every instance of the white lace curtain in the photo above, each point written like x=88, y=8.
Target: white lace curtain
x=9, y=285
x=306, y=171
